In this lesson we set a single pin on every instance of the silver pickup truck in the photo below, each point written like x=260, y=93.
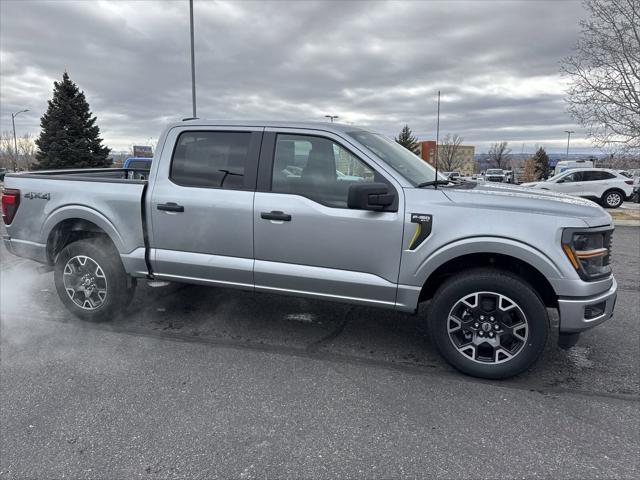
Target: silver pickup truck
x=324, y=211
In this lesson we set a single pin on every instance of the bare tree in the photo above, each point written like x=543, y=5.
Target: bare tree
x=621, y=160
x=499, y=155
x=448, y=160
x=7, y=152
x=26, y=151
x=20, y=159
x=604, y=72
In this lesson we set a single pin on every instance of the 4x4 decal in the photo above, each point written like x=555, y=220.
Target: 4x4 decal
x=42, y=196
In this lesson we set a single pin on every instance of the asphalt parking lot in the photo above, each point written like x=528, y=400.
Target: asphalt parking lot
x=194, y=382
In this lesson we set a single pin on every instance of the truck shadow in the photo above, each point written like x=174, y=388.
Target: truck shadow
x=300, y=324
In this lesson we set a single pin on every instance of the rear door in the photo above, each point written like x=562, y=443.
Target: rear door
x=306, y=239
x=596, y=182
x=202, y=206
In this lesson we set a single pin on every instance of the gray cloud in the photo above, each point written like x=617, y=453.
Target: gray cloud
x=377, y=64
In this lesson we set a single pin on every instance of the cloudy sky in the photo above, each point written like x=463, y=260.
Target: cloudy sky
x=377, y=64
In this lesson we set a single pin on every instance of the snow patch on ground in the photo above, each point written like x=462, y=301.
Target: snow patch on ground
x=301, y=317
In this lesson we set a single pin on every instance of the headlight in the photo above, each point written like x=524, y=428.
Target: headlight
x=588, y=251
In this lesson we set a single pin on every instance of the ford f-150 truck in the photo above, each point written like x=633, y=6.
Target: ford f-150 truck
x=263, y=206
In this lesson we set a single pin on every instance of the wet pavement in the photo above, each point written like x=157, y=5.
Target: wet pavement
x=221, y=382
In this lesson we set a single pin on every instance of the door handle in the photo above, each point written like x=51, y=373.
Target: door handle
x=170, y=207
x=276, y=215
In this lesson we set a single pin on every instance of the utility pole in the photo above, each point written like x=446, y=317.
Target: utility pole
x=568, y=132
x=15, y=141
x=331, y=117
x=193, y=62
x=437, y=140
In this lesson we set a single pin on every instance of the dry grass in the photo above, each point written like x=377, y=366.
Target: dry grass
x=619, y=214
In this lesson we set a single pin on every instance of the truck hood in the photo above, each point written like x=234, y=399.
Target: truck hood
x=528, y=200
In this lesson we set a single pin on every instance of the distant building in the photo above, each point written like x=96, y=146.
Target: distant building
x=465, y=154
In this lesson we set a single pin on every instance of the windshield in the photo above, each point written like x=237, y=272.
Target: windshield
x=410, y=166
x=557, y=176
x=494, y=171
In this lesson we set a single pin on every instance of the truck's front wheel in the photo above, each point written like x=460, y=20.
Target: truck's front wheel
x=488, y=323
x=91, y=280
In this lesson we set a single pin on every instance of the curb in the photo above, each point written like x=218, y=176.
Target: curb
x=627, y=223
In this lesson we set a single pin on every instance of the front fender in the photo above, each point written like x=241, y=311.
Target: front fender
x=498, y=245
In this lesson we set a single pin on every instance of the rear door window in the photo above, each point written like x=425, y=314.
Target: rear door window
x=596, y=175
x=211, y=159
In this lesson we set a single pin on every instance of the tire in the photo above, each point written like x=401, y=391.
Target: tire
x=91, y=280
x=612, y=199
x=504, y=330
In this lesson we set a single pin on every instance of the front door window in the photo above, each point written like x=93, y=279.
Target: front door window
x=316, y=168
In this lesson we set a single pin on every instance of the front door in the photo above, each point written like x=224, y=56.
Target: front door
x=307, y=241
x=570, y=184
x=202, y=206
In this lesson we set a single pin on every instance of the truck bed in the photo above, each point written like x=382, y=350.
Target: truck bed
x=108, y=198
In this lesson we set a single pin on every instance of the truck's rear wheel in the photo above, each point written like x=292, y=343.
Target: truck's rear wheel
x=488, y=323
x=91, y=280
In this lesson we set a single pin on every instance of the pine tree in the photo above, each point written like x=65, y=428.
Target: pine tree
x=408, y=141
x=541, y=160
x=70, y=137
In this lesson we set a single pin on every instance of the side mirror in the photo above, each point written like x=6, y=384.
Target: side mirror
x=370, y=196
x=560, y=181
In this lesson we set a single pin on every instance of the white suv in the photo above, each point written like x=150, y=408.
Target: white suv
x=607, y=187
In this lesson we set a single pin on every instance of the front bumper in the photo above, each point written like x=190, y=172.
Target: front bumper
x=575, y=313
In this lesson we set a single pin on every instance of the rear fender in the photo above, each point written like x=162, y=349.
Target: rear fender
x=85, y=213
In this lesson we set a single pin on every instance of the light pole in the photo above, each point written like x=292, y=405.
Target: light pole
x=568, y=132
x=193, y=62
x=15, y=141
x=331, y=117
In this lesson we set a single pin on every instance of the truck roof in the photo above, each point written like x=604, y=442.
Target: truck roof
x=326, y=126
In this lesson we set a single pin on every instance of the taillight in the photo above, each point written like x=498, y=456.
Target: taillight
x=629, y=182
x=10, y=204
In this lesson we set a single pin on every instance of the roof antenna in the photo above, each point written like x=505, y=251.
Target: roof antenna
x=437, y=140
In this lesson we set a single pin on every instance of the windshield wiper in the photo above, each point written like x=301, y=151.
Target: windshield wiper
x=438, y=182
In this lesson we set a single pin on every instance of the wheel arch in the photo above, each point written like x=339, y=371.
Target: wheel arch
x=613, y=189
x=520, y=259
x=71, y=224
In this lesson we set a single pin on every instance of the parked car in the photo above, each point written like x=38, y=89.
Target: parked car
x=138, y=167
x=494, y=175
x=509, y=176
x=219, y=210
x=564, y=165
x=607, y=187
x=138, y=163
x=348, y=178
